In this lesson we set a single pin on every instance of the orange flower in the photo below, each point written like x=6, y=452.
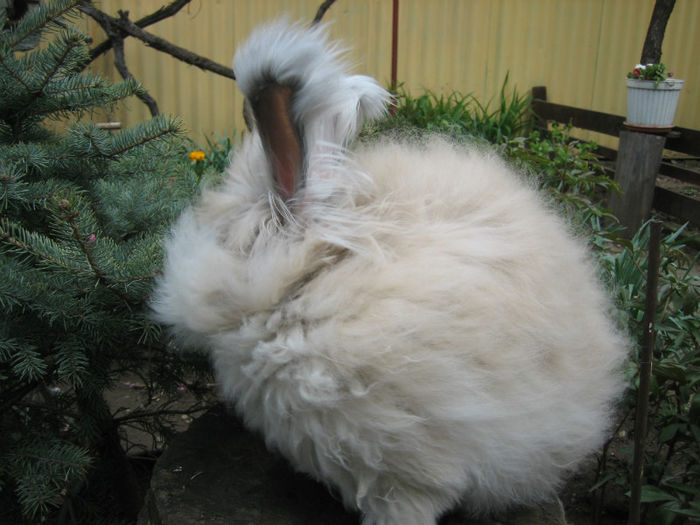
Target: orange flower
x=197, y=156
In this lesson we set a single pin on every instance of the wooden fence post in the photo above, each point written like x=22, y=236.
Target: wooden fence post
x=638, y=161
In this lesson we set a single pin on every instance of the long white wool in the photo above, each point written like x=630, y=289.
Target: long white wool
x=415, y=328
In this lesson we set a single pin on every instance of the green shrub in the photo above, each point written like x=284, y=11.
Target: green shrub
x=82, y=217
x=218, y=152
x=211, y=162
x=672, y=456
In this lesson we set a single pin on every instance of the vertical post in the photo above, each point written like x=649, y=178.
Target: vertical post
x=394, y=43
x=394, y=50
x=645, y=359
x=539, y=93
x=638, y=160
x=539, y=96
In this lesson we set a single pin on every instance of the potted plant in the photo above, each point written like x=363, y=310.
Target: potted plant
x=652, y=97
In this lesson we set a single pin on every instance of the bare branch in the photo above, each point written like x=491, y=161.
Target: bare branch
x=161, y=14
x=116, y=40
x=129, y=28
x=140, y=414
x=322, y=11
x=120, y=64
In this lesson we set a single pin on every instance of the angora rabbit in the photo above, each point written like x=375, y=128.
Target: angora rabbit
x=404, y=321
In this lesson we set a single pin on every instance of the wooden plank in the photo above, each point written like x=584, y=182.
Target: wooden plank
x=580, y=118
x=680, y=206
x=684, y=140
x=637, y=164
x=606, y=153
x=680, y=173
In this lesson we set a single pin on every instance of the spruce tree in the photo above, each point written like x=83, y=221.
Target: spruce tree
x=82, y=214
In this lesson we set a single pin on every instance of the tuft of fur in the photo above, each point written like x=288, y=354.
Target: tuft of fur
x=329, y=105
x=418, y=330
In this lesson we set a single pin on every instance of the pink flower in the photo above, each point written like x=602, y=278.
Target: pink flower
x=92, y=237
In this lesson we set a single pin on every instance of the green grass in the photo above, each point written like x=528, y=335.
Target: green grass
x=460, y=116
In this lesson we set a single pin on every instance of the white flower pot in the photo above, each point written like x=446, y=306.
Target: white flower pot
x=650, y=105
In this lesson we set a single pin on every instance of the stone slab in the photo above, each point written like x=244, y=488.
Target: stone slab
x=218, y=473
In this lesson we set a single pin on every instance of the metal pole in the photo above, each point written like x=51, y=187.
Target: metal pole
x=645, y=360
x=394, y=43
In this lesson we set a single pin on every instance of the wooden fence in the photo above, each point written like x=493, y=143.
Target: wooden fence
x=680, y=140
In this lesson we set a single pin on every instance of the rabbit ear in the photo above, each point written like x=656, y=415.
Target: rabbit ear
x=272, y=110
x=306, y=107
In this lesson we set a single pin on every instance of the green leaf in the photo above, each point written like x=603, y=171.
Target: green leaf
x=668, y=432
x=652, y=494
x=690, y=489
x=665, y=514
x=602, y=482
x=694, y=513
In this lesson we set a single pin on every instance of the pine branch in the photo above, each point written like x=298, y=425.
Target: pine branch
x=84, y=92
x=59, y=63
x=36, y=72
x=72, y=363
x=93, y=142
x=79, y=237
x=82, y=84
x=150, y=131
x=12, y=188
x=6, y=61
x=44, y=470
x=28, y=364
x=30, y=243
x=52, y=304
x=40, y=18
x=23, y=157
x=49, y=459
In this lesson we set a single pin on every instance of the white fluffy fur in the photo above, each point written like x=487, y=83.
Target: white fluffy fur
x=329, y=104
x=416, y=329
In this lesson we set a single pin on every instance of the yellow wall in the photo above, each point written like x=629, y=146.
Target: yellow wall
x=580, y=49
